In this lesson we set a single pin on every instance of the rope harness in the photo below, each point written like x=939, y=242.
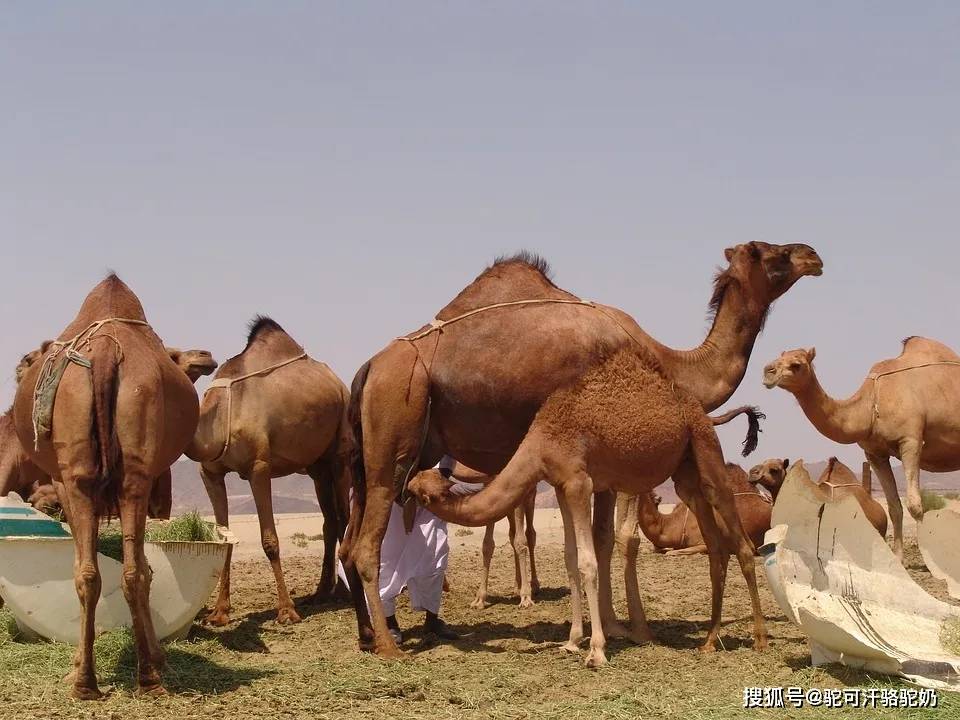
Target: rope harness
x=55, y=363
x=683, y=534
x=876, y=379
x=228, y=383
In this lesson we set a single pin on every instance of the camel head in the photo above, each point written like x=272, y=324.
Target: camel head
x=791, y=371
x=429, y=486
x=770, y=474
x=30, y=358
x=770, y=270
x=194, y=363
x=43, y=497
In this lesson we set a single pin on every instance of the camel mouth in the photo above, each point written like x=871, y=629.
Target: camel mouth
x=813, y=267
x=770, y=379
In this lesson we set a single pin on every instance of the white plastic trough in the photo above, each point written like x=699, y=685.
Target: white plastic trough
x=834, y=575
x=36, y=578
x=938, y=536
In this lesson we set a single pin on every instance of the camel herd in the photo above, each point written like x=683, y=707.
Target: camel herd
x=518, y=380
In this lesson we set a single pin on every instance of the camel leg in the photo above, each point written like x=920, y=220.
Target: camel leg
x=480, y=602
x=577, y=490
x=883, y=471
x=709, y=462
x=629, y=540
x=573, y=576
x=323, y=484
x=263, y=499
x=521, y=555
x=910, y=457
x=86, y=577
x=529, y=508
x=692, y=550
x=376, y=515
x=217, y=492
x=604, y=504
x=136, y=586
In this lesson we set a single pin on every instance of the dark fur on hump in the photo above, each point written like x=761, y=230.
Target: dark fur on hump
x=524, y=257
x=260, y=324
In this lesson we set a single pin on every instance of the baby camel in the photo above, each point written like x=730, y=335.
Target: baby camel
x=906, y=408
x=594, y=435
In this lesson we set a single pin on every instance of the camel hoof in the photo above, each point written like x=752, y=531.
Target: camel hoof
x=761, y=643
x=707, y=647
x=527, y=602
x=287, y=616
x=570, y=647
x=151, y=691
x=480, y=603
x=595, y=659
x=390, y=653
x=218, y=618
x=81, y=692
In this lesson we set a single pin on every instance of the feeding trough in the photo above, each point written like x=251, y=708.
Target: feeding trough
x=938, y=536
x=834, y=576
x=36, y=578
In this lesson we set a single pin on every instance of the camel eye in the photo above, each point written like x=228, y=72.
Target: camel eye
x=794, y=366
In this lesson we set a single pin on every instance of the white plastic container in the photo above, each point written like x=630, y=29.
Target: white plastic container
x=36, y=578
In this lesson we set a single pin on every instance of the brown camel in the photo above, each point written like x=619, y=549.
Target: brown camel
x=837, y=481
x=679, y=534
x=123, y=414
x=273, y=411
x=906, y=408
x=625, y=427
x=20, y=475
x=470, y=383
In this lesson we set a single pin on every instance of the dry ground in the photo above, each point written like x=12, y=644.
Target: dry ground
x=507, y=664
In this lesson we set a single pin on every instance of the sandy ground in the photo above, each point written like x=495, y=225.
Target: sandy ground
x=547, y=521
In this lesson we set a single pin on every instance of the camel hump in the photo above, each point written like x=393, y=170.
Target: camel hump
x=836, y=473
x=917, y=351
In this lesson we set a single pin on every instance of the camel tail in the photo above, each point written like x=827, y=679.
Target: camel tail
x=754, y=416
x=105, y=374
x=355, y=461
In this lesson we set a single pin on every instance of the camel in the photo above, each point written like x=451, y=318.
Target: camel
x=470, y=383
x=20, y=475
x=679, y=534
x=123, y=414
x=906, y=408
x=836, y=482
x=625, y=426
x=273, y=411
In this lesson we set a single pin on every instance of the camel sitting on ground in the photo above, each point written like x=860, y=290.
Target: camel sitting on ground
x=906, y=408
x=625, y=427
x=837, y=481
x=679, y=533
x=123, y=414
x=273, y=411
x=469, y=384
x=20, y=475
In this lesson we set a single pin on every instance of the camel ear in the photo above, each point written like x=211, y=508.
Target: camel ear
x=786, y=463
x=728, y=253
x=45, y=345
x=174, y=354
x=811, y=354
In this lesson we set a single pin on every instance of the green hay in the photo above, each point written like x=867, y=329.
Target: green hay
x=186, y=528
x=950, y=635
x=932, y=500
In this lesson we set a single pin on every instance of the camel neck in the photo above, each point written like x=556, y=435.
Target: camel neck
x=844, y=421
x=651, y=520
x=714, y=370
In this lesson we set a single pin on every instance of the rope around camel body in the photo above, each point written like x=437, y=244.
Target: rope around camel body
x=876, y=379
x=48, y=379
x=228, y=384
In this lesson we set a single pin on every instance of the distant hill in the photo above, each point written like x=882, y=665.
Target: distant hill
x=295, y=493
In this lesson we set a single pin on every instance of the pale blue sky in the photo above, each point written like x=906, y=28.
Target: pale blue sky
x=348, y=167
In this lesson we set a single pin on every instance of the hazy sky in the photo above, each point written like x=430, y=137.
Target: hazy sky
x=348, y=167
